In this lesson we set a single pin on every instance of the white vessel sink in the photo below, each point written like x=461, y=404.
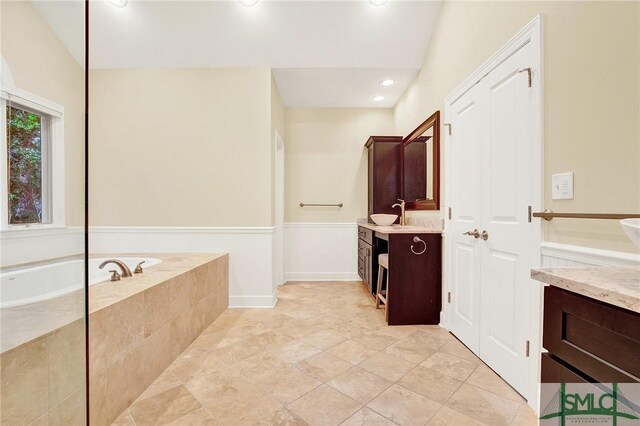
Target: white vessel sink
x=384, y=219
x=631, y=227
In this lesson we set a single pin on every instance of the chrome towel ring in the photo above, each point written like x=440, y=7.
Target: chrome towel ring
x=417, y=239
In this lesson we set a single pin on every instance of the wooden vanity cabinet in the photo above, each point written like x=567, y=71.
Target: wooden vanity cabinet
x=588, y=340
x=415, y=279
x=415, y=273
x=367, y=259
x=384, y=179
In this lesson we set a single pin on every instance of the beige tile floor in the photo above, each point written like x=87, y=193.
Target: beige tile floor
x=324, y=356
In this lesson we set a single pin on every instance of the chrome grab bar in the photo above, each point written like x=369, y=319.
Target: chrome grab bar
x=320, y=205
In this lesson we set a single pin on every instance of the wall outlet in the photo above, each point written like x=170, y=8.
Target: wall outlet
x=562, y=186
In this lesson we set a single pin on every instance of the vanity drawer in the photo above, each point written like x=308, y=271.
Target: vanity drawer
x=555, y=372
x=365, y=234
x=595, y=338
x=361, y=269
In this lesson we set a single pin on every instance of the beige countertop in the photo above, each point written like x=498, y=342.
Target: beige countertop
x=397, y=229
x=614, y=285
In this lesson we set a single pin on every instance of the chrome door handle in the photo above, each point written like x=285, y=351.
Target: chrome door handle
x=484, y=235
x=475, y=233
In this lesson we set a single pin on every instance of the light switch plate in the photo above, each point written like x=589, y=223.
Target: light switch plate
x=562, y=186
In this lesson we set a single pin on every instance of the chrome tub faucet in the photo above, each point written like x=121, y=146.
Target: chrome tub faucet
x=125, y=271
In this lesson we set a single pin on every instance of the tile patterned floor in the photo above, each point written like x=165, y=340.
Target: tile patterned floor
x=324, y=356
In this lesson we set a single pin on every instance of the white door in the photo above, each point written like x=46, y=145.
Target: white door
x=507, y=191
x=465, y=148
x=493, y=180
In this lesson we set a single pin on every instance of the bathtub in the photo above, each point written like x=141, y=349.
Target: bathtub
x=40, y=283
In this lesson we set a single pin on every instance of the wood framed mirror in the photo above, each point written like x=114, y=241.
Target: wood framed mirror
x=420, y=166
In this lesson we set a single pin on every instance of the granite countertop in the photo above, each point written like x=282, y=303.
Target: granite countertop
x=397, y=229
x=614, y=285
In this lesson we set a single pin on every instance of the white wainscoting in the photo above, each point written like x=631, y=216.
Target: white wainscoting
x=250, y=253
x=321, y=252
x=558, y=255
x=36, y=244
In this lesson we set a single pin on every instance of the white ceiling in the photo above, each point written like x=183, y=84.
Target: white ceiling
x=324, y=53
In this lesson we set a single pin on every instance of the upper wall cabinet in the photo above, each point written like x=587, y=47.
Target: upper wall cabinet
x=384, y=173
x=420, y=166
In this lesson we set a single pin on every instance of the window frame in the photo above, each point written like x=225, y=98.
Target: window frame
x=53, y=171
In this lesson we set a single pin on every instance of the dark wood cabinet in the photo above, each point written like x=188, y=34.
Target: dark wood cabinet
x=415, y=279
x=588, y=340
x=384, y=185
x=365, y=255
x=415, y=273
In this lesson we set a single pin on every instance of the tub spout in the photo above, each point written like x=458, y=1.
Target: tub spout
x=126, y=272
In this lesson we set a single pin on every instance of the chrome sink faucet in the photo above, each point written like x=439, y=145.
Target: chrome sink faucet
x=126, y=272
x=401, y=205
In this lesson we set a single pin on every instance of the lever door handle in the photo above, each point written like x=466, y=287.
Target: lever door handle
x=475, y=233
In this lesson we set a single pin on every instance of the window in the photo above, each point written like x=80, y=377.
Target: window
x=32, y=161
x=27, y=147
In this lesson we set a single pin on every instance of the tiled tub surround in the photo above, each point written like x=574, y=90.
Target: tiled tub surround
x=138, y=326
x=614, y=285
x=43, y=380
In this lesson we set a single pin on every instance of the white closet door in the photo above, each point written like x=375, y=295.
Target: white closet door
x=464, y=255
x=506, y=114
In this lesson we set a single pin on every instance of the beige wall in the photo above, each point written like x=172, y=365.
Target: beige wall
x=591, y=99
x=40, y=64
x=180, y=147
x=326, y=161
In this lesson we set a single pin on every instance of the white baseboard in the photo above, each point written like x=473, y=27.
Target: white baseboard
x=564, y=255
x=37, y=244
x=250, y=253
x=322, y=276
x=252, y=301
x=321, y=252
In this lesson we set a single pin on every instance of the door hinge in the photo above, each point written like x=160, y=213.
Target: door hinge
x=529, y=213
x=449, y=297
x=528, y=71
x=449, y=213
x=448, y=127
x=527, y=349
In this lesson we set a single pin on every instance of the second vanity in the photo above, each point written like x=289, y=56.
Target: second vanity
x=415, y=272
x=591, y=326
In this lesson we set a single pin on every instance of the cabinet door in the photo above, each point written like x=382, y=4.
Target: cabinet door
x=386, y=177
x=595, y=338
x=415, y=279
x=371, y=170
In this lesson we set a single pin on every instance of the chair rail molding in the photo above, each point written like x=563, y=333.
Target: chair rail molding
x=565, y=255
x=40, y=243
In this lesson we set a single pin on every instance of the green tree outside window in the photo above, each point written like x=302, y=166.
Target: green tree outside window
x=24, y=136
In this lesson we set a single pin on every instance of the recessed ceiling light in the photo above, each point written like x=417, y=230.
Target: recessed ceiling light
x=378, y=98
x=118, y=3
x=248, y=3
x=378, y=2
x=387, y=82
